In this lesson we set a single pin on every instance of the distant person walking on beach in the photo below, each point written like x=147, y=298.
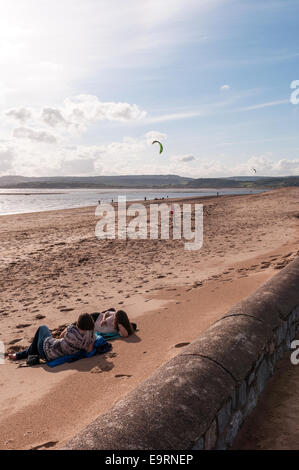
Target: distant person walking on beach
x=73, y=339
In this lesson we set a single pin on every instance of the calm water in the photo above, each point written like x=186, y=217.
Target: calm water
x=17, y=201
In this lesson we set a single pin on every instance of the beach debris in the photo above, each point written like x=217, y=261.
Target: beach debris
x=158, y=142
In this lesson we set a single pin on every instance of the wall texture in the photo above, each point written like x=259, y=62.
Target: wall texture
x=201, y=397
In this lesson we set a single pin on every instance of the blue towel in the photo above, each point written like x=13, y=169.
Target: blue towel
x=100, y=347
x=108, y=336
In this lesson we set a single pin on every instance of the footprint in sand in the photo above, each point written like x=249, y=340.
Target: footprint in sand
x=112, y=354
x=103, y=368
x=181, y=345
x=14, y=341
x=40, y=317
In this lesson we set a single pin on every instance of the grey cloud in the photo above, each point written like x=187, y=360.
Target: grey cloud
x=33, y=135
x=53, y=117
x=187, y=158
x=20, y=114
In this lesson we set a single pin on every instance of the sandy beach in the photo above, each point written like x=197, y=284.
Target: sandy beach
x=53, y=268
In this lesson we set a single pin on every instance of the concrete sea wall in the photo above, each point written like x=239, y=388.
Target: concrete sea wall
x=201, y=397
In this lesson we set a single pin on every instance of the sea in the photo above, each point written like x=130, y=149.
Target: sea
x=20, y=201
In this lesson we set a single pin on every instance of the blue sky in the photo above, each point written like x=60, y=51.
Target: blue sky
x=86, y=85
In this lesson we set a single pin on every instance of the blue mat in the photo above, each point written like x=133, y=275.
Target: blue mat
x=109, y=336
x=100, y=347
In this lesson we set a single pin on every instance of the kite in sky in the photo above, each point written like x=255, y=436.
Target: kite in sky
x=161, y=146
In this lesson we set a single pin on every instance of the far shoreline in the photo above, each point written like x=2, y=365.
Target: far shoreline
x=77, y=208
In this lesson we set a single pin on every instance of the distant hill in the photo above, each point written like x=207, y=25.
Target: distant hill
x=126, y=181
x=145, y=181
x=11, y=180
x=245, y=182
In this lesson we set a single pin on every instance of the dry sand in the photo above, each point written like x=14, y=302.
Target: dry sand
x=53, y=268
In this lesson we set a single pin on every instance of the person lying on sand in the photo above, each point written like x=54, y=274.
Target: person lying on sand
x=113, y=322
x=73, y=339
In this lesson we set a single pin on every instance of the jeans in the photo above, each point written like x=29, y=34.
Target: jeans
x=36, y=347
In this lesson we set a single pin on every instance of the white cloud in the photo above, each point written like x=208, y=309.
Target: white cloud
x=6, y=158
x=74, y=114
x=174, y=116
x=265, y=105
x=225, y=87
x=154, y=135
x=128, y=156
x=264, y=164
x=88, y=108
x=78, y=166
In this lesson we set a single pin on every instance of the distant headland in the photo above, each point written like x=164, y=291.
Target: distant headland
x=145, y=181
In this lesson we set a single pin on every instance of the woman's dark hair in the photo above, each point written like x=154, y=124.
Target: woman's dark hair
x=121, y=318
x=85, y=322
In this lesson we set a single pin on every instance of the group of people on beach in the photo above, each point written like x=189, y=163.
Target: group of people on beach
x=77, y=336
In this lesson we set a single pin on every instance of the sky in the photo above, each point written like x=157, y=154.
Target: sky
x=87, y=85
